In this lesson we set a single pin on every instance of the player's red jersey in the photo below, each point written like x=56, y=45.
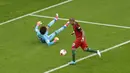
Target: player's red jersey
x=78, y=33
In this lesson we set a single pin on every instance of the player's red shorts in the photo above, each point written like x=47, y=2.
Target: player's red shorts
x=78, y=43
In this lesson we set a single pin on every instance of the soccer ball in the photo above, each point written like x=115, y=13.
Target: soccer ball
x=63, y=52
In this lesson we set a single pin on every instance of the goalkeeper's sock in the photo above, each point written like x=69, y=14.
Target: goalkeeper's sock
x=60, y=29
x=51, y=23
x=56, y=17
x=90, y=50
x=66, y=24
x=73, y=55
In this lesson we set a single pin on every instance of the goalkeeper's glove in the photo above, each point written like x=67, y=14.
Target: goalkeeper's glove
x=39, y=23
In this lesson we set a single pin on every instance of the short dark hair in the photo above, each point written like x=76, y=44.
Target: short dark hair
x=71, y=19
x=43, y=30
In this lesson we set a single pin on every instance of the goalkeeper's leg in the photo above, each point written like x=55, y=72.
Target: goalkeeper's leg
x=62, y=28
x=53, y=21
x=51, y=36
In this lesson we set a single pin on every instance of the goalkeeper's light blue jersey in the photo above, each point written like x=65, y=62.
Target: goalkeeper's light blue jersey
x=44, y=38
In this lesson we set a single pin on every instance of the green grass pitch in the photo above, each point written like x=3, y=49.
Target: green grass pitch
x=21, y=51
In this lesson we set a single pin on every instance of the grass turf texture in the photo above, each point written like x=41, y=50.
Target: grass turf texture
x=14, y=8
x=21, y=51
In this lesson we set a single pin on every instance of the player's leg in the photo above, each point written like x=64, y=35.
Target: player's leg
x=53, y=21
x=51, y=36
x=93, y=51
x=62, y=28
x=73, y=56
x=85, y=47
x=90, y=50
x=75, y=45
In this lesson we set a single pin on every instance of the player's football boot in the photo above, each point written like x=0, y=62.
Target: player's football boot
x=56, y=17
x=72, y=63
x=98, y=52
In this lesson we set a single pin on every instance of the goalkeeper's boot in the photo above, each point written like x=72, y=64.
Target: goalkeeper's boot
x=67, y=24
x=56, y=17
x=98, y=52
x=56, y=39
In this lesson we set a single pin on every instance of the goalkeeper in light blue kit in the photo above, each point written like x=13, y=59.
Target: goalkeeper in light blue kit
x=42, y=33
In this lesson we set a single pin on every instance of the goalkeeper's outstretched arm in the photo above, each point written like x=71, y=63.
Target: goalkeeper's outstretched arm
x=36, y=28
x=37, y=25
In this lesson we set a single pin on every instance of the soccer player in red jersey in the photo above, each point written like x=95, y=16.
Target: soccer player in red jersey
x=80, y=40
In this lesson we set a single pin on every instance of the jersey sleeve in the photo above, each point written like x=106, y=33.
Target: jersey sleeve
x=37, y=30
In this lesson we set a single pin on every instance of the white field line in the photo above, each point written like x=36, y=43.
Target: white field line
x=110, y=25
x=35, y=12
x=91, y=55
